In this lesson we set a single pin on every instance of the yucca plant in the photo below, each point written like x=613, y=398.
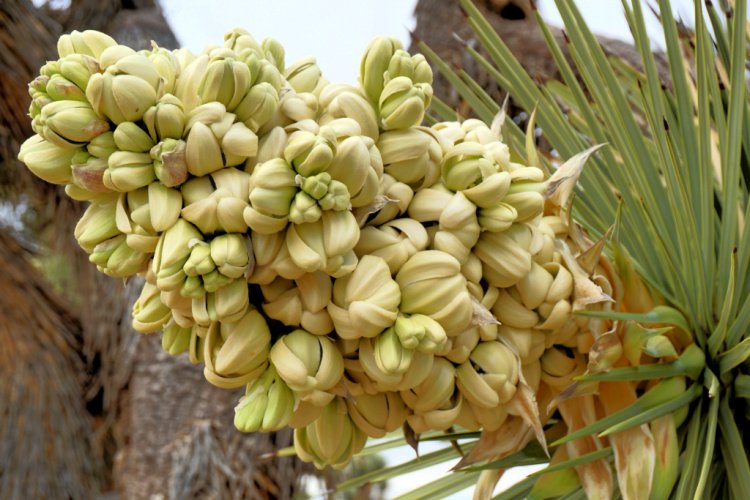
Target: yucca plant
x=356, y=271
x=668, y=192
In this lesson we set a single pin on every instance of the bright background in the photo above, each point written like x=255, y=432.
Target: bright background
x=336, y=32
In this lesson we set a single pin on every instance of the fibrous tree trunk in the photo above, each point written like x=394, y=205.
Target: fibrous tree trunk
x=182, y=441
x=441, y=25
x=46, y=443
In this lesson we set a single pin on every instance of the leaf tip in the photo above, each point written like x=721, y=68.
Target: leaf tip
x=415, y=40
x=460, y=40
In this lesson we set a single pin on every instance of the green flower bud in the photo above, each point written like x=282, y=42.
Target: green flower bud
x=467, y=167
x=121, y=97
x=274, y=52
x=267, y=406
x=166, y=64
x=317, y=185
x=120, y=60
x=377, y=414
x=359, y=167
x=365, y=302
x=200, y=261
x=346, y=101
x=258, y=106
x=97, y=223
x=130, y=137
x=59, y=88
x=395, y=241
x=68, y=123
x=325, y=245
x=528, y=204
x=182, y=307
x=420, y=332
x=420, y=364
x=166, y=119
x=214, y=280
x=273, y=189
x=375, y=62
x=39, y=99
x=432, y=284
x=102, y=145
x=401, y=64
x=226, y=80
x=80, y=194
x=412, y=156
x=422, y=69
x=104, y=250
x=239, y=39
x=47, y=160
x=128, y=171
x=332, y=439
x=305, y=76
x=505, y=256
x=89, y=42
x=336, y=198
x=186, y=88
x=391, y=355
x=490, y=376
x=88, y=172
x=311, y=153
x=304, y=208
x=220, y=210
x=227, y=304
x=170, y=165
x=230, y=254
x=435, y=391
x=193, y=288
x=498, y=218
x=202, y=152
x=237, y=353
x=403, y=103
x=78, y=68
x=175, y=339
x=115, y=258
x=415, y=68
x=172, y=252
x=310, y=364
x=297, y=107
x=149, y=313
x=238, y=144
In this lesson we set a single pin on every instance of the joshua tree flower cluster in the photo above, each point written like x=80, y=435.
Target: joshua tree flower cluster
x=315, y=243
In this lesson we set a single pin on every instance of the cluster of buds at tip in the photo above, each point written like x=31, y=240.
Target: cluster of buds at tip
x=314, y=243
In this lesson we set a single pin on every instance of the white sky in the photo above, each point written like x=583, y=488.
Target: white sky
x=336, y=32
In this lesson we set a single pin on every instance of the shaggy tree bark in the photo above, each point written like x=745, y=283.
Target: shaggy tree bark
x=442, y=26
x=46, y=443
x=114, y=409
x=182, y=441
